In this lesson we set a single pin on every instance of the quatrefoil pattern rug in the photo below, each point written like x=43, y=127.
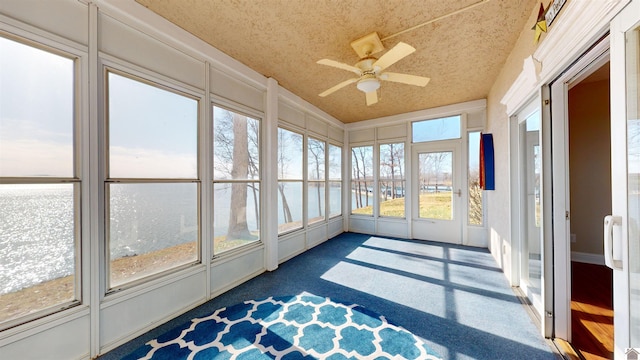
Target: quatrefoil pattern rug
x=296, y=327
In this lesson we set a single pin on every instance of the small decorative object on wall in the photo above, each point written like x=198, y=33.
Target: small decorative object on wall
x=487, y=163
x=553, y=9
x=541, y=24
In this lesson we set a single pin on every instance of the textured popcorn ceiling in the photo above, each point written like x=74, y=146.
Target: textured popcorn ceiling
x=283, y=39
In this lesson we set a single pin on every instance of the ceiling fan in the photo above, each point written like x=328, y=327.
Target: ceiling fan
x=371, y=70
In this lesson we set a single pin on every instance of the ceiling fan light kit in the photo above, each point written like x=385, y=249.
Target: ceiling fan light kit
x=368, y=84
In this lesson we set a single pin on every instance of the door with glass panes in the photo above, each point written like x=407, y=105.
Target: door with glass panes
x=437, y=192
x=622, y=228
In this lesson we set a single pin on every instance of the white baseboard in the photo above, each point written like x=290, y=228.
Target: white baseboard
x=588, y=258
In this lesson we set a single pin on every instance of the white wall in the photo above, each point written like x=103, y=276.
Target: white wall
x=590, y=164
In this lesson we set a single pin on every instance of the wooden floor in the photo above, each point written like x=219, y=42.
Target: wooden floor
x=592, y=310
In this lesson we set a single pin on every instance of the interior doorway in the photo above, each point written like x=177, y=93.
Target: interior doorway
x=589, y=173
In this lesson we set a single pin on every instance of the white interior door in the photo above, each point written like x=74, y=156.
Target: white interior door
x=621, y=234
x=437, y=192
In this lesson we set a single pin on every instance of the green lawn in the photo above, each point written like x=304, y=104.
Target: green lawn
x=392, y=207
x=435, y=205
x=432, y=206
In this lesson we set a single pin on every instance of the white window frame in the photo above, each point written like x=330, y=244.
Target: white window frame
x=404, y=175
x=112, y=65
x=331, y=180
x=322, y=181
x=374, y=179
x=80, y=161
x=217, y=101
x=296, y=181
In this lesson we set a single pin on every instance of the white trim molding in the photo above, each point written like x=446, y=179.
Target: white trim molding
x=578, y=26
x=442, y=111
x=523, y=86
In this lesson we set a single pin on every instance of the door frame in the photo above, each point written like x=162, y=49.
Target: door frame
x=418, y=224
x=594, y=58
x=518, y=193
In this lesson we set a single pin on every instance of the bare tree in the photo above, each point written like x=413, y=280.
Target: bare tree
x=253, y=149
x=238, y=227
x=475, y=198
x=236, y=151
x=433, y=166
x=316, y=167
x=283, y=161
x=398, y=153
x=362, y=158
x=391, y=172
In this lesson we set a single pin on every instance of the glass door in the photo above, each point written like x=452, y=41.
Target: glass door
x=531, y=239
x=526, y=203
x=437, y=206
x=622, y=234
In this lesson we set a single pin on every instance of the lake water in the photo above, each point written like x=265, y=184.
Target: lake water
x=37, y=227
x=37, y=224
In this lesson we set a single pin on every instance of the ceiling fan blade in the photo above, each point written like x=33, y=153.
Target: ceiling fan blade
x=394, y=55
x=405, y=78
x=372, y=97
x=340, y=65
x=338, y=87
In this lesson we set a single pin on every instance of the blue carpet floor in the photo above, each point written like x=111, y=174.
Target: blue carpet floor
x=454, y=298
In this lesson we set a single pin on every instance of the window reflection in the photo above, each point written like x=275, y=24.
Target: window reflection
x=236, y=188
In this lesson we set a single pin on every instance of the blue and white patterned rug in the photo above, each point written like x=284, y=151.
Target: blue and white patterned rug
x=295, y=327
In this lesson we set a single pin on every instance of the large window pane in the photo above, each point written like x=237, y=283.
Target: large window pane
x=39, y=252
x=37, y=248
x=434, y=176
x=335, y=183
x=391, y=180
x=335, y=162
x=290, y=180
x=315, y=157
x=36, y=112
x=236, y=215
x=316, y=201
x=152, y=135
x=362, y=180
x=290, y=155
x=316, y=180
x=236, y=173
x=436, y=129
x=475, y=192
x=152, y=228
x=335, y=198
x=235, y=146
x=289, y=206
x=152, y=132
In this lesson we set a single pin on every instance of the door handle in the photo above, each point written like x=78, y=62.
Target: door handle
x=459, y=192
x=612, y=245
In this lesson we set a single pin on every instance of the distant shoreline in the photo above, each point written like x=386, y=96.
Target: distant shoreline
x=60, y=291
